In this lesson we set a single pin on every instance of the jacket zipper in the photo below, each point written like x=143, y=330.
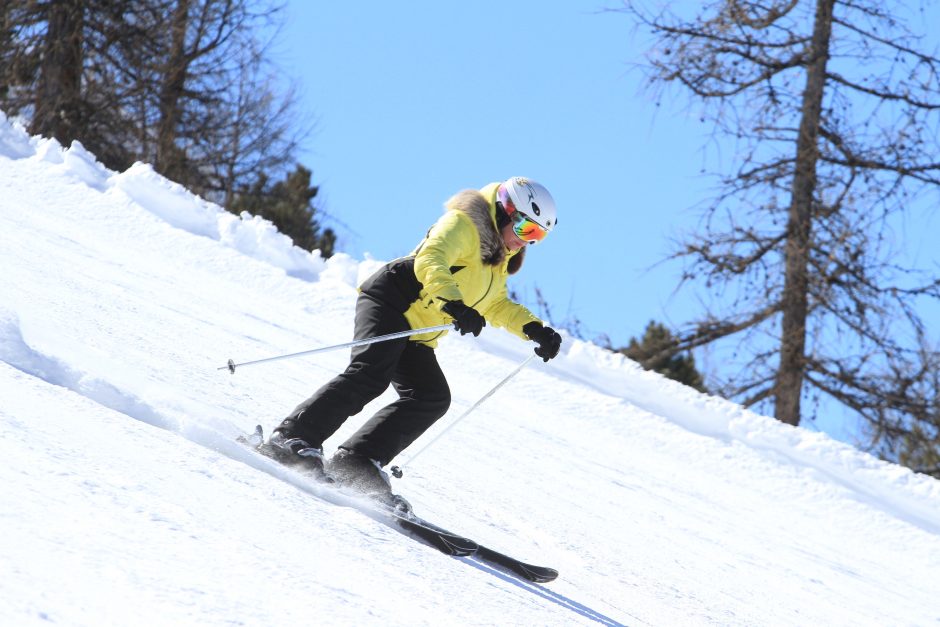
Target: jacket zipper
x=488, y=288
x=440, y=333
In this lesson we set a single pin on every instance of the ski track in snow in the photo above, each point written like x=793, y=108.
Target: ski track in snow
x=123, y=294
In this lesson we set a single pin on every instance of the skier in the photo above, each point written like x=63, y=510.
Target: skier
x=456, y=274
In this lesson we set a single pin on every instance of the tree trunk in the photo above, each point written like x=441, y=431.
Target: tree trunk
x=168, y=158
x=58, y=97
x=789, y=383
x=7, y=52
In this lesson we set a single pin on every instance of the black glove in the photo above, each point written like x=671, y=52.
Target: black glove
x=549, y=341
x=466, y=319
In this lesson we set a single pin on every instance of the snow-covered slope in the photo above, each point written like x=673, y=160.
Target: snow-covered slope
x=126, y=500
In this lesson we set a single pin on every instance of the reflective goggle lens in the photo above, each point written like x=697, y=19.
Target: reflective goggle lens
x=526, y=229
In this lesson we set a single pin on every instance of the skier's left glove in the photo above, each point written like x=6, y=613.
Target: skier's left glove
x=549, y=342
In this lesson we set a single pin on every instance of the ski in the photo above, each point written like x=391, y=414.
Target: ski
x=444, y=541
x=503, y=562
x=411, y=525
x=531, y=572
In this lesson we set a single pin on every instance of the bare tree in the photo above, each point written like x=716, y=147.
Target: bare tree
x=219, y=121
x=58, y=104
x=186, y=85
x=23, y=38
x=54, y=70
x=264, y=133
x=18, y=42
x=72, y=68
x=834, y=111
x=174, y=73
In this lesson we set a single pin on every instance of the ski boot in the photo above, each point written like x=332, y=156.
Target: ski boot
x=295, y=453
x=365, y=476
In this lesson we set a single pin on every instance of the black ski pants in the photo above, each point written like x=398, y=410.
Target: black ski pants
x=410, y=367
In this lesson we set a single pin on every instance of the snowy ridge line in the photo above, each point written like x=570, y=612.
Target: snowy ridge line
x=916, y=497
x=171, y=202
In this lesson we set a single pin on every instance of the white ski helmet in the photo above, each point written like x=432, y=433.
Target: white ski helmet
x=529, y=198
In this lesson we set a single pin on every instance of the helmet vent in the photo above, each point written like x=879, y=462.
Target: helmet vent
x=536, y=210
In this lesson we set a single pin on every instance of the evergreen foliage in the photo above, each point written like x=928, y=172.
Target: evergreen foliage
x=653, y=352
x=920, y=448
x=289, y=205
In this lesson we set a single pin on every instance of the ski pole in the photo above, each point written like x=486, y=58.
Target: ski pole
x=397, y=471
x=370, y=340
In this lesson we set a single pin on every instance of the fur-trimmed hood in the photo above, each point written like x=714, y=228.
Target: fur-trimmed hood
x=462, y=258
x=481, y=212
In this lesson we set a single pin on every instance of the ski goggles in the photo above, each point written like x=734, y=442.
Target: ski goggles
x=526, y=229
x=523, y=226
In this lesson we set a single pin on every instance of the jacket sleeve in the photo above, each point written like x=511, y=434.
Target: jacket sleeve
x=451, y=238
x=509, y=315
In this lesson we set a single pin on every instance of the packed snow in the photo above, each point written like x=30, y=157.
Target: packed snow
x=126, y=499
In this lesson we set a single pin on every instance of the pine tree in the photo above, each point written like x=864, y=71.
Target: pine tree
x=652, y=353
x=289, y=205
x=920, y=449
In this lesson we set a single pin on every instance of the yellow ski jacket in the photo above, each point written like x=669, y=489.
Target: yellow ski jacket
x=462, y=257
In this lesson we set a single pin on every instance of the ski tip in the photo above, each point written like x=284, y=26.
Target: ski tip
x=531, y=572
x=537, y=574
x=547, y=575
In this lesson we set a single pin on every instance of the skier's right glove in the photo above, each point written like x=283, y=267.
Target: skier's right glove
x=466, y=319
x=548, y=339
